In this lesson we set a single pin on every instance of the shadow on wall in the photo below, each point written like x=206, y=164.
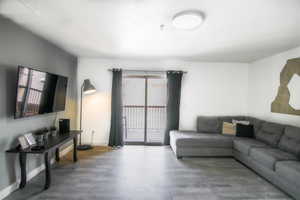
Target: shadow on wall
x=10, y=161
x=8, y=87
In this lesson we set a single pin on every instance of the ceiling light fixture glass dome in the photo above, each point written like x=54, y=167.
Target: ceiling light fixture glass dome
x=188, y=20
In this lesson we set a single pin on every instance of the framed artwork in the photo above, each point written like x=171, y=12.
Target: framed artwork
x=281, y=103
x=23, y=142
x=30, y=139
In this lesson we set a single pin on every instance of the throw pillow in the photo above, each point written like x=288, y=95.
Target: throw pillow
x=244, y=130
x=240, y=122
x=228, y=129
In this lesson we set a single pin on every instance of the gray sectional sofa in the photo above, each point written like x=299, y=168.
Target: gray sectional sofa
x=274, y=152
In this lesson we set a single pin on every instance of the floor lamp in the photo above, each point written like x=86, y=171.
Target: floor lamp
x=86, y=88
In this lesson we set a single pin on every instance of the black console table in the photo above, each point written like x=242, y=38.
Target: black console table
x=53, y=143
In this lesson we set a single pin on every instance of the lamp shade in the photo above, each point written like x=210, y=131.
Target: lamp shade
x=88, y=88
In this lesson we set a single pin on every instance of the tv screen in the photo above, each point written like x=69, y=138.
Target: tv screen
x=39, y=92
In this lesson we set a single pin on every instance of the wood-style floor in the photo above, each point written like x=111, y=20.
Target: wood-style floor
x=148, y=173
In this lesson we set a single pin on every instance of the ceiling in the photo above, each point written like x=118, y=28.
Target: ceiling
x=233, y=30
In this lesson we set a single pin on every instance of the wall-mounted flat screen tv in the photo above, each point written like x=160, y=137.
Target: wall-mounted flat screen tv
x=39, y=92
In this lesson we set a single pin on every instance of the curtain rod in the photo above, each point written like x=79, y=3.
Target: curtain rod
x=153, y=71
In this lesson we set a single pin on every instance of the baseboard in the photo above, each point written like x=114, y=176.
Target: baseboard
x=13, y=187
x=8, y=190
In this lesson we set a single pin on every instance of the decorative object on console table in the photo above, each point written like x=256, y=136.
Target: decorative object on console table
x=46, y=135
x=40, y=137
x=23, y=142
x=30, y=139
x=64, y=126
x=86, y=88
x=53, y=130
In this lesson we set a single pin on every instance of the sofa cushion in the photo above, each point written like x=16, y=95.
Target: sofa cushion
x=208, y=124
x=290, y=141
x=243, y=145
x=269, y=156
x=270, y=133
x=289, y=170
x=190, y=139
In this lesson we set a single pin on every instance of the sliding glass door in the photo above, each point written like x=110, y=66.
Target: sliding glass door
x=144, y=109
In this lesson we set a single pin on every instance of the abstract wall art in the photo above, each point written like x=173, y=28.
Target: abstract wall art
x=287, y=97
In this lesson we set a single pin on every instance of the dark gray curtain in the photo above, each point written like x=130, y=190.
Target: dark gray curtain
x=173, y=102
x=116, y=127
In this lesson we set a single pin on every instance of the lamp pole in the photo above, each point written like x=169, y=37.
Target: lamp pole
x=88, y=88
x=81, y=91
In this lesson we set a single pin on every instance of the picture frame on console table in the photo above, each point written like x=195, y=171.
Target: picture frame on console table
x=30, y=139
x=23, y=142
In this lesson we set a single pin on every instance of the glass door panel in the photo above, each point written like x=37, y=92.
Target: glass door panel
x=134, y=110
x=156, y=109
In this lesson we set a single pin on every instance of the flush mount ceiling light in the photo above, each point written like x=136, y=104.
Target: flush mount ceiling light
x=188, y=20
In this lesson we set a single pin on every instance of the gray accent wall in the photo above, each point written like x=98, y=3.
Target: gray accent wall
x=19, y=46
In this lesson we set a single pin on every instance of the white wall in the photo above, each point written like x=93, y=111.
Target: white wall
x=207, y=89
x=264, y=77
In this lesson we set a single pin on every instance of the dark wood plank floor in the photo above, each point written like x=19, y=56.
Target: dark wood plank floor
x=149, y=173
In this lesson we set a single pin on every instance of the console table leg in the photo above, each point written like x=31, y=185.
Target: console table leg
x=57, y=155
x=47, y=171
x=75, y=149
x=22, y=159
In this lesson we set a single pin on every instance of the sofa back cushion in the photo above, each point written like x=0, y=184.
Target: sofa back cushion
x=214, y=124
x=270, y=133
x=208, y=124
x=290, y=141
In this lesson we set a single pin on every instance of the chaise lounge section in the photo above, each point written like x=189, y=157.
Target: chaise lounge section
x=274, y=152
x=185, y=143
x=207, y=140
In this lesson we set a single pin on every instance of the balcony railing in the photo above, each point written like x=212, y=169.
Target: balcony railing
x=134, y=123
